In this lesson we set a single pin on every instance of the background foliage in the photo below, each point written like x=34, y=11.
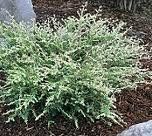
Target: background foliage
x=127, y=5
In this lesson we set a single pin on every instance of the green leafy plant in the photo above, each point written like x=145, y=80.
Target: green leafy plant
x=72, y=69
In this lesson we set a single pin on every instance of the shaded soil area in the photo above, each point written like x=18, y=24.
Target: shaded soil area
x=134, y=105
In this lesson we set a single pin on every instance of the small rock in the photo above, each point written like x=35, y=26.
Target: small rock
x=24, y=11
x=20, y=10
x=142, y=129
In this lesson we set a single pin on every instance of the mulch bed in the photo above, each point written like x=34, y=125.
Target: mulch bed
x=134, y=105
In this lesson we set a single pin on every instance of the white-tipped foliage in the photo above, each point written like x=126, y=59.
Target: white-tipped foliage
x=71, y=69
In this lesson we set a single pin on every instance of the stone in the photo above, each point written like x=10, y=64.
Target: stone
x=19, y=10
x=6, y=7
x=141, y=129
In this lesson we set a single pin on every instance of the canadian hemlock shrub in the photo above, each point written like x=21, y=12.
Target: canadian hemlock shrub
x=72, y=69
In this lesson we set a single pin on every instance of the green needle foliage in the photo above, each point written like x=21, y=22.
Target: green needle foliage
x=72, y=69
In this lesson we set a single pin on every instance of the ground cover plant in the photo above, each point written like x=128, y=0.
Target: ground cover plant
x=71, y=69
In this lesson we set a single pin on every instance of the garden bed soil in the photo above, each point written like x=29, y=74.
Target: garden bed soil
x=134, y=105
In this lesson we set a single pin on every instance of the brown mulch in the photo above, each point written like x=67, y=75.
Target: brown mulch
x=134, y=105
